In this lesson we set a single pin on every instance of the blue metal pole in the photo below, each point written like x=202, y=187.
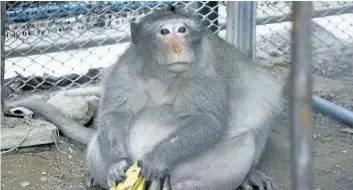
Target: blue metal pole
x=333, y=110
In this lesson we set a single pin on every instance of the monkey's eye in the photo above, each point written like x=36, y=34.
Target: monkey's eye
x=182, y=29
x=164, y=31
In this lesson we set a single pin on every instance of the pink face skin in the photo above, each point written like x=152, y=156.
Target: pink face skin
x=172, y=36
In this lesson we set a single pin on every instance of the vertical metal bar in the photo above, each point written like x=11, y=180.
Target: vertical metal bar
x=300, y=107
x=241, y=25
x=2, y=50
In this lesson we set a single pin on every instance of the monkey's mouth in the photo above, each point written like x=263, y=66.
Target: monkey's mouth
x=178, y=63
x=178, y=66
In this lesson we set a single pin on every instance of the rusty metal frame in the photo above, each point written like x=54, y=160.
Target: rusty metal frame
x=301, y=97
x=2, y=50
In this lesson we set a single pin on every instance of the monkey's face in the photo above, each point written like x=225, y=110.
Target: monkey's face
x=174, y=45
x=172, y=42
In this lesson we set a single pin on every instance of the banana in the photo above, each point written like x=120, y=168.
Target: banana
x=133, y=180
x=113, y=187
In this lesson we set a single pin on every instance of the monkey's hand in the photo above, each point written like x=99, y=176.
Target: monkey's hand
x=117, y=171
x=154, y=166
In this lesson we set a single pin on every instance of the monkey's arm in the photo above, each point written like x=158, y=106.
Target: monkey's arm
x=111, y=135
x=119, y=101
x=202, y=109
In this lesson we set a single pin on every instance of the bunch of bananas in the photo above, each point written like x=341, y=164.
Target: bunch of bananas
x=133, y=181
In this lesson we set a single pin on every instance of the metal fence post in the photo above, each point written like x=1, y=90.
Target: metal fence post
x=2, y=50
x=241, y=25
x=300, y=106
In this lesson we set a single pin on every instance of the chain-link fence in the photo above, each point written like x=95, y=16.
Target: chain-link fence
x=56, y=45
x=332, y=36
x=51, y=45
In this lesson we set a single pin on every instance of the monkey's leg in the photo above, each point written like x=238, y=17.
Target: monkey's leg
x=256, y=178
x=96, y=166
x=225, y=166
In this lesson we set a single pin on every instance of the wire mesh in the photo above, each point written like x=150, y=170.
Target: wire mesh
x=58, y=45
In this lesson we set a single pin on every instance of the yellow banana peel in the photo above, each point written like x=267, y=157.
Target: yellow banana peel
x=133, y=181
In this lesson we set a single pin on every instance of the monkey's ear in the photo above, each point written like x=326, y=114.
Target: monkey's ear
x=134, y=31
x=177, y=8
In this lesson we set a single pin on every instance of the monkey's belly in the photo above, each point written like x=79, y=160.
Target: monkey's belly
x=148, y=128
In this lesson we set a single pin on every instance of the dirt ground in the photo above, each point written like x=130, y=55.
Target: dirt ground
x=45, y=167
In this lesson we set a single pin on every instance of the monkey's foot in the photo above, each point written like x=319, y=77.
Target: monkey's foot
x=258, y=180
x=89, y=181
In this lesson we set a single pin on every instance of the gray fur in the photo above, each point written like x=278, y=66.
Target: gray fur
x=204, y=122
x=222, y=104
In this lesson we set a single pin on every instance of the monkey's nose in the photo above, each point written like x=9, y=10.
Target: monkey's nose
x=177, y=49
